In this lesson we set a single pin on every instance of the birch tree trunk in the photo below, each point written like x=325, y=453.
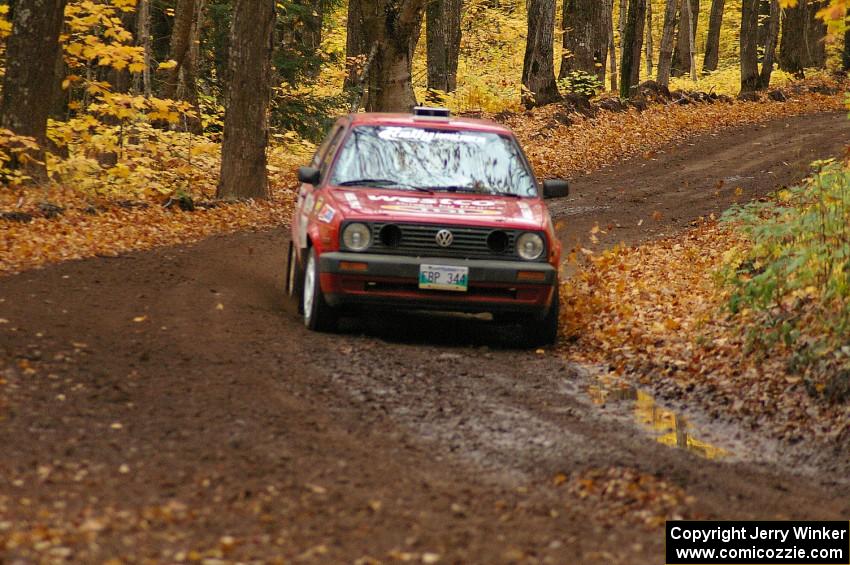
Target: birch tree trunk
x=246, y=123
x=612, y=49
x=393, y=26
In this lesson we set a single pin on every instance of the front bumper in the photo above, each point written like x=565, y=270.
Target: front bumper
x=392, y=281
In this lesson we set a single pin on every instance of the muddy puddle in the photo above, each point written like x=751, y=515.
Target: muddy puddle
x=663, y=425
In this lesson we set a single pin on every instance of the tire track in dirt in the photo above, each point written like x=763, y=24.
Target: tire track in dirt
x=404, y=433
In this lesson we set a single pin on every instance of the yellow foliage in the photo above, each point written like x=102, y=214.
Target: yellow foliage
x=95, y=35
x=727, y=80
x=13, y=146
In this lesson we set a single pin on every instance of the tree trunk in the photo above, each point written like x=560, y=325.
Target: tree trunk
x=665, y=58
x=792, y=46
x=538, y=68
x=393, y=26
x=443, y=43
x=845, y=52
x=764, y=23
x=585, y=41
x=650, y=55
x=246, y=124
x=802, y=44
x=692, y=40
x=143, y=25
x=32, y=47
x=712, y=43
x=621, y=26
x=612, y=49
x=195, y=46
x=121, y=79
x=771, y=37
x=687, y=28
x=311, y=36
x=749, y=46
x=187, y=83
x=59, y=109
x=621, y=20
x=632, y=47
x=181, y=38
x=816, y=35
x=355, y=43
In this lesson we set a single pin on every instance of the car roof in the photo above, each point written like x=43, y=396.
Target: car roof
x=468, y=124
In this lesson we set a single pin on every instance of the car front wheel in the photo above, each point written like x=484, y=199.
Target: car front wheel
x=318, y=315
x=539, y=333
x=294, y=280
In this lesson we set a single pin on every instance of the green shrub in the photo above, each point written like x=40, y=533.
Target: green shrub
x=581, y=83
x=793, y=281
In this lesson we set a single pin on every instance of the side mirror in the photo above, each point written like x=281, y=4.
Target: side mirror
x=556, y=189
x=309, y=175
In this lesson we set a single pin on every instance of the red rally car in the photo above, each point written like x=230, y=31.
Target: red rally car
x=424, y=211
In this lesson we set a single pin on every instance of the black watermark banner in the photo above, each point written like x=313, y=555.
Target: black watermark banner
x=692, y=542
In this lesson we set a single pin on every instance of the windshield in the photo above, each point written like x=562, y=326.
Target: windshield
x=434, y=160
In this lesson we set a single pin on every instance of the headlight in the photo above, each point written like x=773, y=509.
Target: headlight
x=530, y=246
x=356, y=237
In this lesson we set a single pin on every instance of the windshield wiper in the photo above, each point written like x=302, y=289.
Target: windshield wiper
x=459, y=188
x=473, y=190
x=384, y=183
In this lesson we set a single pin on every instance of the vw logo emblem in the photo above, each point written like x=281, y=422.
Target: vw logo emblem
x=444, y=238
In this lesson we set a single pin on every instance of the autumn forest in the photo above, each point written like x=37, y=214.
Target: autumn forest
x=164, y=400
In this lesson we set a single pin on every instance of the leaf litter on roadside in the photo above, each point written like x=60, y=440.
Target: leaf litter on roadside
x=654, y=314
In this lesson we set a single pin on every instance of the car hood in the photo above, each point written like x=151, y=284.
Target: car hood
x=468, y=209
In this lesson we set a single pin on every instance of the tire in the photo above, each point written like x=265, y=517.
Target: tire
x=318, y=316
x=293, y=281
x=541, y=333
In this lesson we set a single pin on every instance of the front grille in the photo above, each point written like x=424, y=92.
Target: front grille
x=420, y=239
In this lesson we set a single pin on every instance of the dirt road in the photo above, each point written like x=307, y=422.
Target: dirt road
x=162, y=406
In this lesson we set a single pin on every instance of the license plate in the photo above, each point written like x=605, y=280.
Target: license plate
x=443, y=277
